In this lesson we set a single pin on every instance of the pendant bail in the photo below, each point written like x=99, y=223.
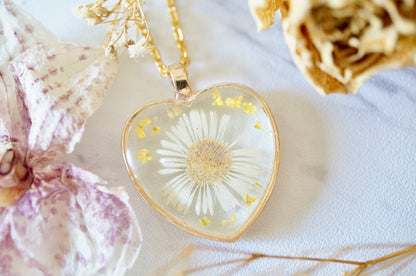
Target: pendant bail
x=179, y=78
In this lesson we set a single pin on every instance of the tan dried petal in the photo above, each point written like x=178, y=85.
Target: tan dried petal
x=263, y=12
x=15, y=178
x=9, y=196
x=338, y=45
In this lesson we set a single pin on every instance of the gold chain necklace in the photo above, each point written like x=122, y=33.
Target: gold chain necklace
x=177, y=34
x=206, y=161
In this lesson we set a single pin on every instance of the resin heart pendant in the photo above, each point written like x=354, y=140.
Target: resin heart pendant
x=207, y=161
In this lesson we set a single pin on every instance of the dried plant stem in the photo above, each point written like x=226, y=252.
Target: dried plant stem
x=357, y=271
x=315, y=259
x=258, y=256
x=361, y=266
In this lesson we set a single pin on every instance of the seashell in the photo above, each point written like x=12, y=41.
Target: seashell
x=338, y=45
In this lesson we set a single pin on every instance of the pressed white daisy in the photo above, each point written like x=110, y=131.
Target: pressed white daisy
x=207, y=168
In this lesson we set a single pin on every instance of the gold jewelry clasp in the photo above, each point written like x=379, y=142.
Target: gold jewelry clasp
x=179, y=78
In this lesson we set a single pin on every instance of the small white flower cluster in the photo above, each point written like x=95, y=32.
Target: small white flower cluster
x=126, y=25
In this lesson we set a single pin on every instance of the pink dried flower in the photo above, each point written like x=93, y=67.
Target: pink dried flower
x=56, y=219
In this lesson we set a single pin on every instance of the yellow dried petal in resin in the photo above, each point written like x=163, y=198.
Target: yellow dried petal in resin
x=232, y=216
x=144, y=155
x=234, y=102
x=258, y=125
x=249, y=108
x=259, y=185
x=174, y=112
x=218, y=101
x=140, y=124
x=249, y=199
x=155, y=130
x=140, y=132
x=205, y=221
x=215, y=94
x=225, y=221
x=147, y=121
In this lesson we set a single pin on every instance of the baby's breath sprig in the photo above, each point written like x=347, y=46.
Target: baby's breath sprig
x=125, y=19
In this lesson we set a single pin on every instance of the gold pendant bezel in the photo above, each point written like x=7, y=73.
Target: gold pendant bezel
x=178, y=222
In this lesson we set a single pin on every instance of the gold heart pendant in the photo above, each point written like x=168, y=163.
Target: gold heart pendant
x=207, y=161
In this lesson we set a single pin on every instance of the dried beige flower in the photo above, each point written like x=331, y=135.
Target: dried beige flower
x=126, y=22
x=339, y=44
x=139, y=48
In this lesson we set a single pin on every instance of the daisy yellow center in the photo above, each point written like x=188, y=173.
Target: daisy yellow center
x=208, y=161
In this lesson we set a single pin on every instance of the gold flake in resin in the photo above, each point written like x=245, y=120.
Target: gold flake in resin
x=234, y=102
x=144, y=156
x=218, y=101
x=141, y=124
x=225, y=222
x=205, y=221
x=155, y=129
x=174, y=112
x=249, y=200
x=249, y=108
x=232, y=216
x=259, y=185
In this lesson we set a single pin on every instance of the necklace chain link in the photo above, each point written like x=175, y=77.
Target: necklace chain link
x=177, y=34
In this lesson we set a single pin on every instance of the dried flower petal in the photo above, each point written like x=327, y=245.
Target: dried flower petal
x=68, y=224
x=59, y=94
x=126, y=25
x=263, y=12
x=338, y=45
x=61, y=222
x=17, y=31
x=139, y=48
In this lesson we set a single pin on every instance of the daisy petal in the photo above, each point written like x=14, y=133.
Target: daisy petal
x=176, y=140
x=190, y=128
x=209, y=200
x=241, y=187
x=195, y=119
x=171, y=159
x=167, y=188
x=213, y=125
x=204, y=123
x=226, y=199
x=176, y=187
x=169, y=153
x=175, y=146
x=204, y=199
x=222, y=127
x=169, y=171
x=198, y=204
x=206, y=162
x=181, y=131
